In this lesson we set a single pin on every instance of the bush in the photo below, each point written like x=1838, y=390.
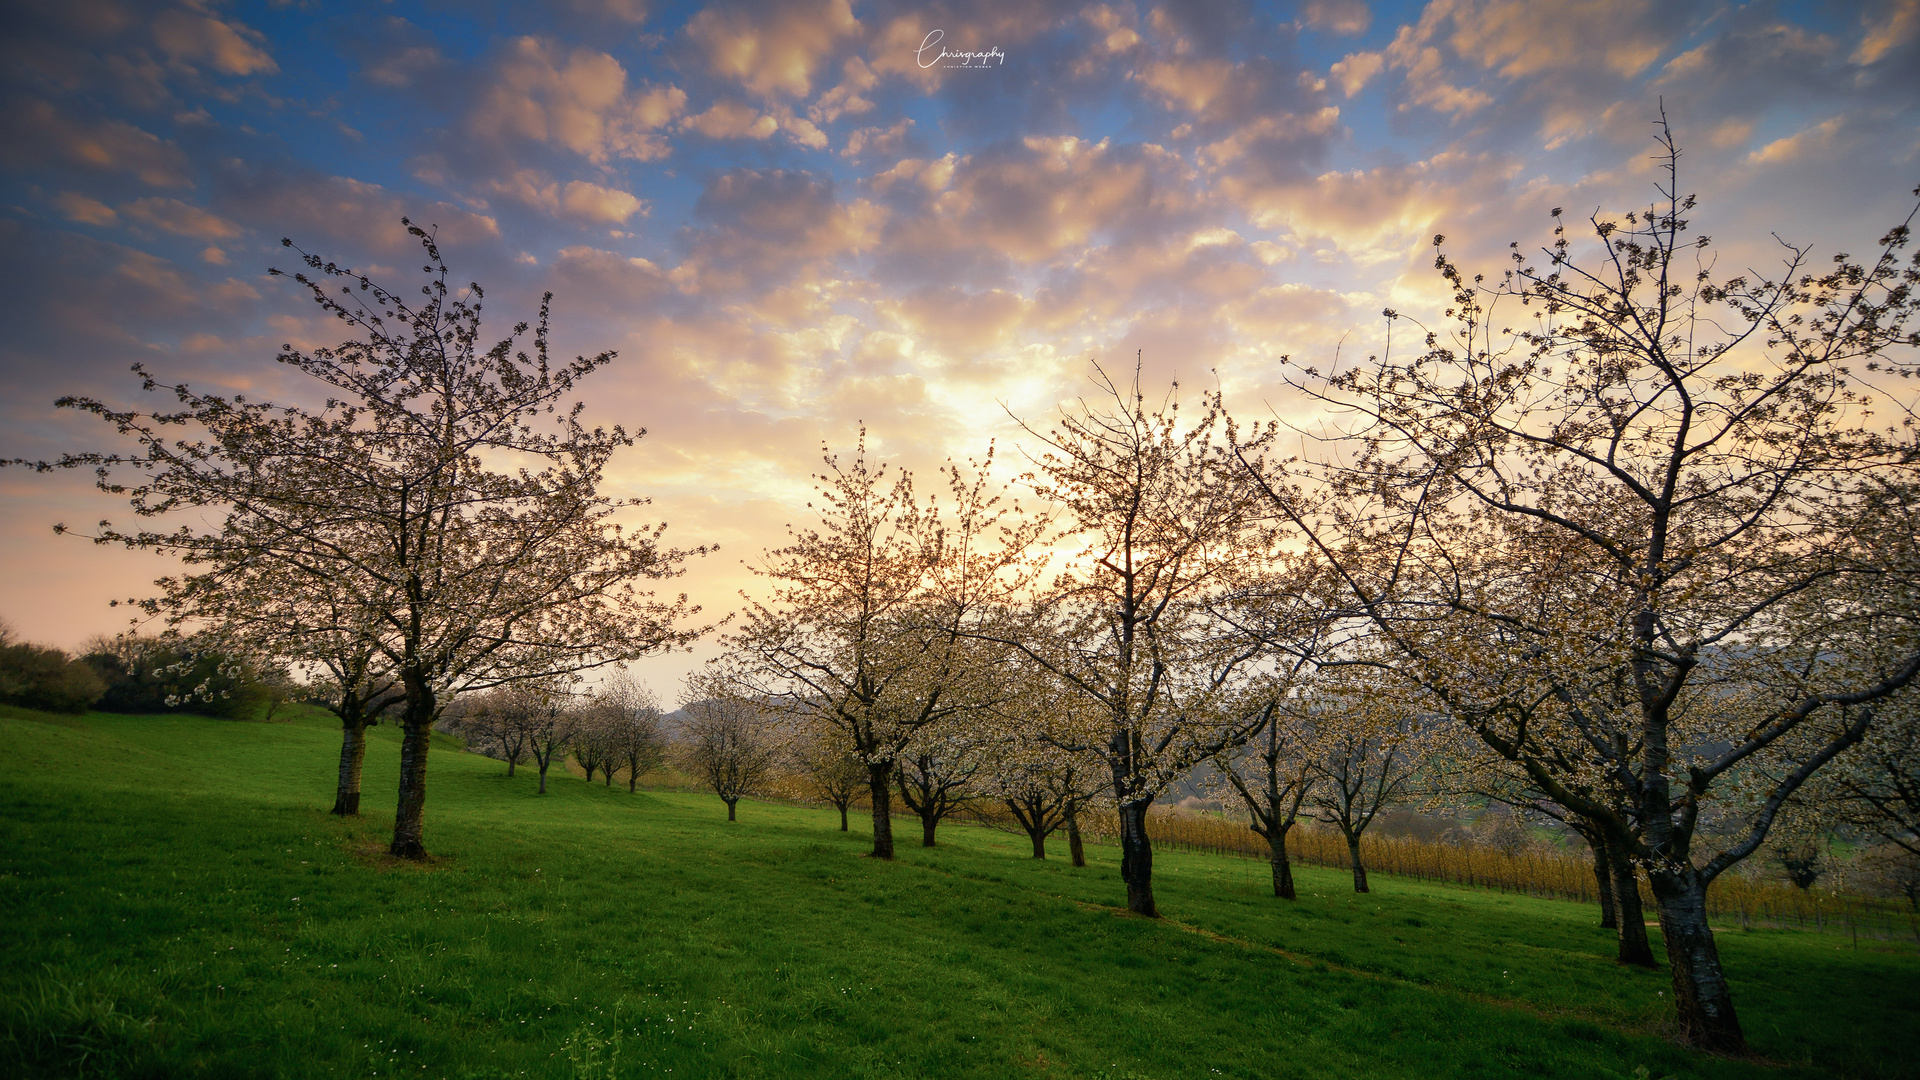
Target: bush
x=162, y=675
x=39, y=677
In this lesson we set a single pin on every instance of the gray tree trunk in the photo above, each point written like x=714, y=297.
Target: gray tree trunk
x=1282, y=865
x=880, y=783
x=1136, y=858
x=1701, y=998
x=353, y=753
x=409, y=819
x=1631, y=917
x=1603, y=880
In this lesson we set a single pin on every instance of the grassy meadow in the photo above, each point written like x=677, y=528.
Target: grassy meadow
x=178, y=903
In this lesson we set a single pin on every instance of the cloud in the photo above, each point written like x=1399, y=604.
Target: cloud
x=605, y=283
x=593, y=203
x=180, y=219
x=1353, y=72
x=1900, y=23
x=876, y=140
x=1118, y=28
x=1190, y=85
x=772, y=48
x=1383, y=213
x=632, y=12
x=579, y=200
x=1799, y=145
x=928, y=175
x=1521, y=39
x=77, y=207
x=955, y=321
x=36, y=134
x=192, y=37
x=406, y=65
x=577, y=100
x=1344, y=17
x=760, y=225
x=1045, y=197
x=732, y=120
x=856, y=79
x=321, y=212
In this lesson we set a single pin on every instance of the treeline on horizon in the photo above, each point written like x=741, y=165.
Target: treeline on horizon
x=137, y=674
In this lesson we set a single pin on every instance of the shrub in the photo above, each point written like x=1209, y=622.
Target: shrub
x=39, y=677
x=165, y=675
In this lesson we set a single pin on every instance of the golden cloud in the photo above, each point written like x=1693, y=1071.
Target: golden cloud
x=578, y=101
x=775, y=49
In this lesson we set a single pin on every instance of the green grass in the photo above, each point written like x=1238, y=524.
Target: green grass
x=177, y=903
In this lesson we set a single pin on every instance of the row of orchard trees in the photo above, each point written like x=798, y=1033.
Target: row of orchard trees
x=435, y=527
x=1618, y=544
x=728, y=745
x=610, y=728
x=1640, y=563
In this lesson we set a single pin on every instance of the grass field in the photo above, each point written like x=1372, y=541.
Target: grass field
x=177, y=903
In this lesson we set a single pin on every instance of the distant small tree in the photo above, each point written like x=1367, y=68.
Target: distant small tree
x=1269, y=777
x=1890, y=870
x=1361, y=728
x=488, y=722
x=826, y=768
x=726, y=745
x=633, y=716
x=1043, y=792
x=594, y=737
x=536, y=717
x=935, y=776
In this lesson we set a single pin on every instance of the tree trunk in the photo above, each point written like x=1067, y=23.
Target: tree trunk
x=1603, y=880
x=1039, y=843
x=510, y=757
x=1136, y=858
x=843, y=817
x=1282, y=866
x=353, y=752
x=730, y=805
x=928, y=823
x=633, y=777
x=1627, y=912
x=880, y=783
x=1075, y=848
x=1701, y=1000
x=1359, y=870
x=544, y=762
x=409, y=820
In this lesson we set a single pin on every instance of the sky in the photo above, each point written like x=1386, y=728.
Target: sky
x=791, y=219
